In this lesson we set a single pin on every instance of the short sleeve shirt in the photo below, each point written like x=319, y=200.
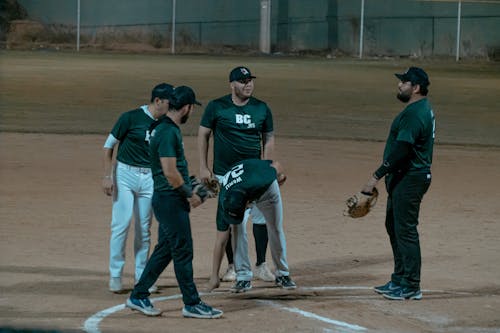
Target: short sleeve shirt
x=254, y=176
x=166, y=141
x=237, y=130
x=415, y=125
x=131, y=130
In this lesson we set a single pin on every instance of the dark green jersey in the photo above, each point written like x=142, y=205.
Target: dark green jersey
x=415, y=125
x=254, y=176
x=237, y=130
x=166, y=141
x=130, y=130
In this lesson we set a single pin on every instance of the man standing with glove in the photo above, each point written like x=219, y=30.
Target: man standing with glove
x=407, y=170
x=172, y=199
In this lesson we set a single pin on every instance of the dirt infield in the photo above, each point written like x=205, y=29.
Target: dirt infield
x=55, y=220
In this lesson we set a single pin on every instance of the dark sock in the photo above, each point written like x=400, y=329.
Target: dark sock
x=229, y=250
x=260, y=235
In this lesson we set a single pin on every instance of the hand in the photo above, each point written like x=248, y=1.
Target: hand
x=368, y=187
x=281, y=178
x=195, y=201
x=205, y=174
x=107, y=185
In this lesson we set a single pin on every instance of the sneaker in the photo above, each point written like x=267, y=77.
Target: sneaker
x=143, y=305
x=201, y=310
x=241, y=287
x=230, y=274
x=285, y=282
x=402, y=293
x=153, y=289
x=115, y=285
x=386, y=288
x=263, y=273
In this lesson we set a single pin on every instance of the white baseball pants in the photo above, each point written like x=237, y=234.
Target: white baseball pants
x=132, y=196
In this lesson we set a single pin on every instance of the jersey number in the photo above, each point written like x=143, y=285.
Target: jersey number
x=234, y=173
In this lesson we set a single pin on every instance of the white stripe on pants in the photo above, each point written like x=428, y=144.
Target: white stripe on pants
x=132, y=196
x=271, y=206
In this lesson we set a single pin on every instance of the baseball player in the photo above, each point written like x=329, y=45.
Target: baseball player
x=406, y=167
x=131, y=184
x=172, y=200
x=255, y=182
x=242, y=127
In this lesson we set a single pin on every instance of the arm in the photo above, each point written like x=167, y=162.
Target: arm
x=107, y=178
x=203, y=142
x=268, y=145
x=396, y=157
x=174, y=177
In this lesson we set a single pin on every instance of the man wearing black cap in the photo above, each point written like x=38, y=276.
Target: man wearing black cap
x=242, y=127
x=172, y=200
x=407, y=169
x=255, y=182
x=130, y=183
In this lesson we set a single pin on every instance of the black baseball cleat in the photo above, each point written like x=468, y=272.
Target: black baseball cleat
x=386, y=288
x=143, y=305
x=403, y=293
x=202, y=311
x=241, y=286
x=285, y=282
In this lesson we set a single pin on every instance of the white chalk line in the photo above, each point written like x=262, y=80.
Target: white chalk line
x=91, y=325
x=311, y=315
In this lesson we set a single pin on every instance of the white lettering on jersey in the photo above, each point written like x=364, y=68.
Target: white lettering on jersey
x=233, y=176
x=245, y=119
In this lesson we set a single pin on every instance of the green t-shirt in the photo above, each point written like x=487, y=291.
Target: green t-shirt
x=415, y=125
x=131, y=130
x=166, y=141
x=237, y=130
x=254, y=176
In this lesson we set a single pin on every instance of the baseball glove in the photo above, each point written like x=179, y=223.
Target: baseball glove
x=204, y=190
x=361, y=203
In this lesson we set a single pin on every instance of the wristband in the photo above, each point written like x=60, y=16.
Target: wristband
x=185, y=190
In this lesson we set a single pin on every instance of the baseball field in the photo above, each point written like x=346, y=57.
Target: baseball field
x=331, y=117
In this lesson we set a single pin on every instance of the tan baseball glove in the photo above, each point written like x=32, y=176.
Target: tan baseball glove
x=361, y=203
x=205, y=190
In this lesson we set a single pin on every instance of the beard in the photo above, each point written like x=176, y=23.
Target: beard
x=403, y=96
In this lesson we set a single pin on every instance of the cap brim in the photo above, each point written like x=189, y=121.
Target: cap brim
x=197, y=103
x=402, y=77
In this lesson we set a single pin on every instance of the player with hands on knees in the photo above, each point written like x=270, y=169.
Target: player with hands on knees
x=252, y=183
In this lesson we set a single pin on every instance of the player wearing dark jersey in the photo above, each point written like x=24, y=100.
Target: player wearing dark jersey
x=256, y=182
x=130, y=183
x=172, y=201
x=407, y=169
x=242, y=128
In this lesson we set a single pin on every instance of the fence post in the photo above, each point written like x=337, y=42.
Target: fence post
x=265, y=26
x=78, y=26
x=172, y=46
x=361, y=28
x=459, y=18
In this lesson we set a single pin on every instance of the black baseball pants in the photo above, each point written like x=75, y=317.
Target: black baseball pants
x=403, y=206
x=174, y=243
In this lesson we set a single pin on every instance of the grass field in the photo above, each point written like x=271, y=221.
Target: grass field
x=311, y=98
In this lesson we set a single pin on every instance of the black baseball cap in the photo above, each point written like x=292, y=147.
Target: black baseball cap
x=240, y=73
x=162, y=91
x=181, y=96
x=234, y=205
x=415, y=75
